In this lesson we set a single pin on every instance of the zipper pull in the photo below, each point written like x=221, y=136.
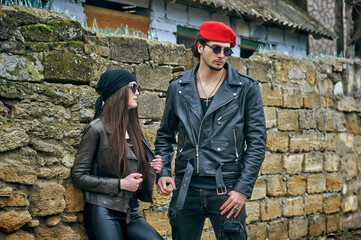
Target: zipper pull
x=219, y=120
x=197, y=151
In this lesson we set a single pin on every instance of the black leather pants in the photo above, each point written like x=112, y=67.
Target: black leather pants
x=105, y=224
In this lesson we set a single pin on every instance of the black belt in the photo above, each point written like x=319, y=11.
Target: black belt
x=220, y=188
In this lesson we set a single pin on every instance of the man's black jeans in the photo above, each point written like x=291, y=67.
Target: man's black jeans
x=187, y=224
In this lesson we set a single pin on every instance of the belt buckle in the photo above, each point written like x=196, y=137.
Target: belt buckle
x=221, y=191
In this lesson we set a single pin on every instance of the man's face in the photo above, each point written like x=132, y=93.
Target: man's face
x=212, y=60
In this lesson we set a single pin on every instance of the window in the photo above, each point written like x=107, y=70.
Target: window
x=186, y=35
x=248, y=47
x=113, y=14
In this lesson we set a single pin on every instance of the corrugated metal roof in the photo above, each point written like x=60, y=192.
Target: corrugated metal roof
x=278, y=12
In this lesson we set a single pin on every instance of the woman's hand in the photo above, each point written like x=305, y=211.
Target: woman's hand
x=157, y=163
x=131, y=182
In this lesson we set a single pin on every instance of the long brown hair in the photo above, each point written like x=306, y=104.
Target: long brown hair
x=121, y=119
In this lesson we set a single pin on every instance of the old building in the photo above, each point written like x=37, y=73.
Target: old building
x=278, y=25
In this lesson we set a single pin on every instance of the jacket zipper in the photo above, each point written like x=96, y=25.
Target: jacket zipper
x=235, y=144
x=194, y=136
x=226, y=114
x=200, y=128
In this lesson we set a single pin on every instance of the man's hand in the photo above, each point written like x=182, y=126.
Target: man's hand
x=162, y=185
x=233, y=204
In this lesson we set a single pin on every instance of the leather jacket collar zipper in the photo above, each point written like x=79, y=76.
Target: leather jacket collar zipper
x=226, y=114
x=200, y=128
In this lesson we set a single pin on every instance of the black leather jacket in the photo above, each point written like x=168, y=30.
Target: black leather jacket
x=230, y=135
x=100, y=185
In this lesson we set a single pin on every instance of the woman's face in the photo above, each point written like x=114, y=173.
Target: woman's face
x=133, y=97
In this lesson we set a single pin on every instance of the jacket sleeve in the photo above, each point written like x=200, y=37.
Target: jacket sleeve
x=166, y=135
x=255, y=137
x=81, y=173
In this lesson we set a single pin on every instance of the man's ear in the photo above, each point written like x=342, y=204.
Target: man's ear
x=200, y=47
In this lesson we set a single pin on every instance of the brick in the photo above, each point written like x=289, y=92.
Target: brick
x=352, y=220
x=278, y=230
x=354, y=123
x=341, y=122
x=253, y=211
x=326, y=121
x=293, y=163
x=271, y=95
x=353, y=186
x=307, y=119
x=287, y=120
x=271, y=117
x=312, y=100
x=317, y=225
x=299, y=142
x=259, y=190
x=271, y=208
x=257, y=231
x=349, y=166
x=349, y=204
x=318, y=141
x=345, y=143
x=358, y=144
x=297, y=228
x=127, y=49
x=327, y=100
x=332, y=162
x=316, y=183
x=292, y=99
x=293, y=207
x=154, y=78
x=277, y=141
x=296, y=185
x=330, y=139
x=272, y=164
x=276, y=185
x=313, y=162
x=332, y=204
x=333, y=182
x=313, y=203
x=333, y=223
x=261, y=69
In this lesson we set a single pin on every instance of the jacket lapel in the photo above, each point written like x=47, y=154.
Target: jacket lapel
x=188, y=92
x=224, y=93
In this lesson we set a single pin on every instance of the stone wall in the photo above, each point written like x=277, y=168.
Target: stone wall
x=308, y=184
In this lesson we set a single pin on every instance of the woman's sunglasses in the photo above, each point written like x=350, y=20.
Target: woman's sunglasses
x=134, y=87
x=217, y=50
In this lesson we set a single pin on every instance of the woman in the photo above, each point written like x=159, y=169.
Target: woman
x=114, y=166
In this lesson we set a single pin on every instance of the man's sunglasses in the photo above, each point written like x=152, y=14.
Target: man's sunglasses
x=134, y=87
x=217, y=50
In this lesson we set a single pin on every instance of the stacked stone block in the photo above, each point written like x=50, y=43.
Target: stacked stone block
x=308, y=185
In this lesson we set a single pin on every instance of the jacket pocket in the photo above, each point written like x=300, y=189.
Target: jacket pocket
x=219, y=146
x=224, y=115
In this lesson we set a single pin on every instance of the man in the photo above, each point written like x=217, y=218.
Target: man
x=218, y=115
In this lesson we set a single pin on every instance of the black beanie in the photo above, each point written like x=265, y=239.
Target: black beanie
x=109, y=83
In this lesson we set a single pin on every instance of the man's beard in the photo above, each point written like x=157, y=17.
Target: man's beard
x=215, y=69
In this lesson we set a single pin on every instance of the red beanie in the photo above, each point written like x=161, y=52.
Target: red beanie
x=218, y=32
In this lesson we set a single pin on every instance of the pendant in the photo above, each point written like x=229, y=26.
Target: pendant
x=207, y=101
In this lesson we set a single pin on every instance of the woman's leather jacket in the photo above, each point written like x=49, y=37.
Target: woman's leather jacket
x=100, y=185
x=229, y=138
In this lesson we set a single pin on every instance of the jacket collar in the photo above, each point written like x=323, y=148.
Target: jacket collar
x=223, y=95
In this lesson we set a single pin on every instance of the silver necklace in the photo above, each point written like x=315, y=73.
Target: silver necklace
x=200, y=83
